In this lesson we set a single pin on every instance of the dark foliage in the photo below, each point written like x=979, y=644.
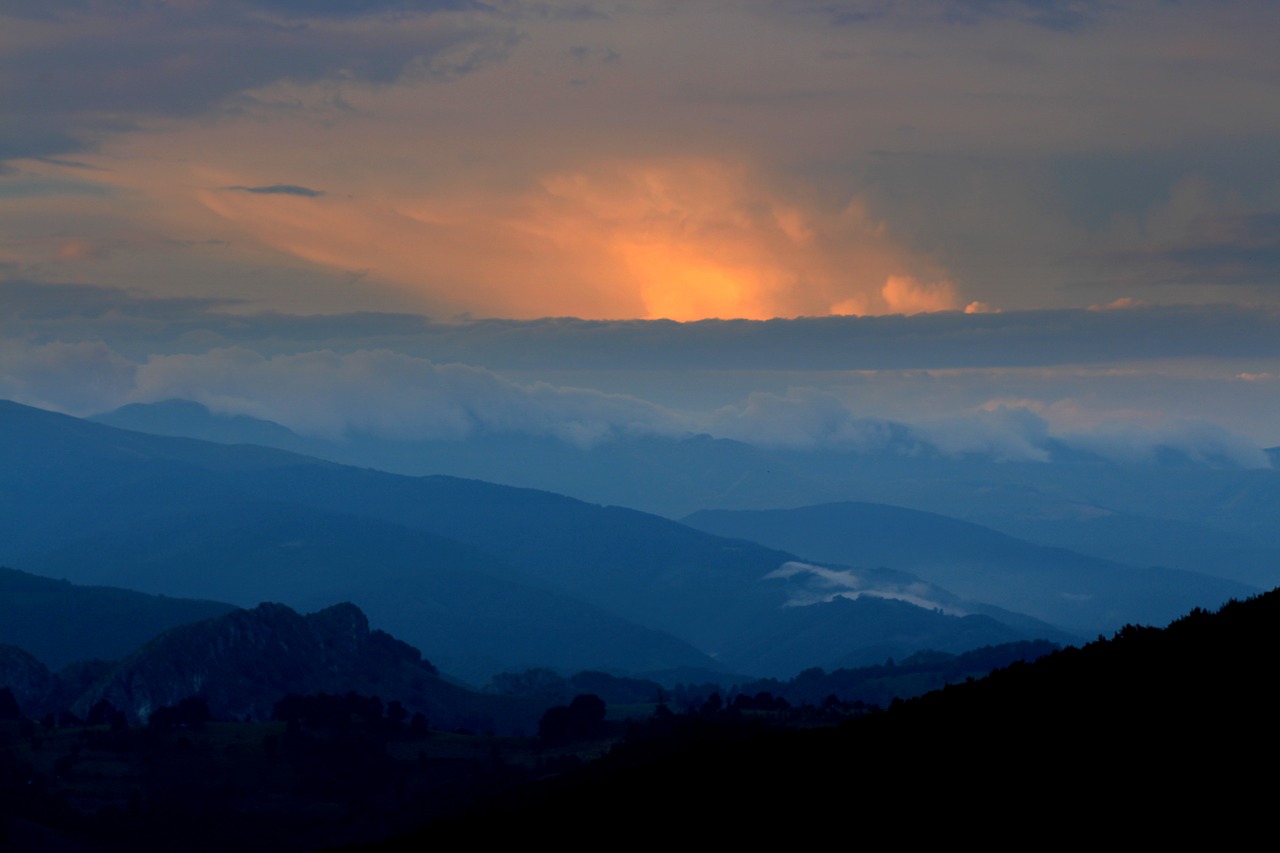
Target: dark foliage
x=9, y=709
x=336, y=713
x=1153, y=734
x=189, y=713
x=581, y=719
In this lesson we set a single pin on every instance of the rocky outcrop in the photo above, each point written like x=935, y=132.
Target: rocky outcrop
x=31, y=682
x=242, y=663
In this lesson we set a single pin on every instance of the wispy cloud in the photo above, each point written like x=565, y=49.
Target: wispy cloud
x=280, y=189
x=808, y=584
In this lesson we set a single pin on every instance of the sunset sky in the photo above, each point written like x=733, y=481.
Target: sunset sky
x=186, y=186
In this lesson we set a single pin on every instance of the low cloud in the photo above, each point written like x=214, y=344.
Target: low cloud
x=808, y=584
x=811, y=419
x=805, y=419
x=77, y=378
x=833, y=383
x=388, y=395
x=1004, y=434
x=1195, y=442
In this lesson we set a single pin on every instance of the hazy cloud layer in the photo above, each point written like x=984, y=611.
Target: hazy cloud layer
x=393, y=396
x=851, y=381
x=338, y=392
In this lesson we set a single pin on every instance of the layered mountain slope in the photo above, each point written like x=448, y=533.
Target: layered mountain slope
x=60, y=622
x=1198, y=514
x=153, y=510
x=1082, y=593
x=473, y=613
x=192, y=420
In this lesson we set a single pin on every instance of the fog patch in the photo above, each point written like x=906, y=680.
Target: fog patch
x=807, y=418
x=1186, y=441
x=808, y=584
x=1002, y=434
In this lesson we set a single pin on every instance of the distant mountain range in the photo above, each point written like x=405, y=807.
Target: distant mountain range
x=485, y=578
x=482, y=577
x=1196, y=514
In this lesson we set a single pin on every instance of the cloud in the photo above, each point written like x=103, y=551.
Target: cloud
x=999, y=431
x=76, y=71
x=51, y=308
x=45, y=9
x=932, y=341
x=905, y=295
x=1055, y=15
x=728, y=159
x=281, y=189
x=1231, y=249
x=925, y=341
x=1196, y=442
x=1002, y=434
x=387, y=395
x=808, y=584
x=75, y=378
x=677, y=238
x=304, y=9
x=356, y=390
x=805, y=419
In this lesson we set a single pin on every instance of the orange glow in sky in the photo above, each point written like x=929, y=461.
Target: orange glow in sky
x=681, y=239
x=677, y=286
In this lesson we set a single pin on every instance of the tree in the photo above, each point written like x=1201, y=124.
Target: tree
x=190, y=713
x=581, y=719
x=9, y=709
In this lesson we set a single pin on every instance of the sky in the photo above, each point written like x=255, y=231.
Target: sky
x=1067, y=212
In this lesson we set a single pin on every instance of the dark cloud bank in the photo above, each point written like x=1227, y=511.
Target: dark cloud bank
x=133, y=323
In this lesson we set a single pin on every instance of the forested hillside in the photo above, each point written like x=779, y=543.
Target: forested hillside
x=1152, y=734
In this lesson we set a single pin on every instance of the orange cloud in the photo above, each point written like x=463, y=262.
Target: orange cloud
x=903, y=294
x=677, y=238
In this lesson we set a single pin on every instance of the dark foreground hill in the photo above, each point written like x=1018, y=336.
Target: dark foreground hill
x=1150, y=736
